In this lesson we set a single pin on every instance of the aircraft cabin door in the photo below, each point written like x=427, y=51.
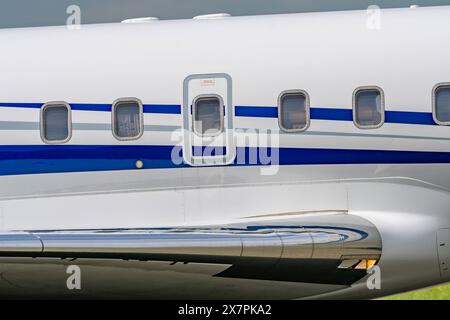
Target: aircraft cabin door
x=208, y=120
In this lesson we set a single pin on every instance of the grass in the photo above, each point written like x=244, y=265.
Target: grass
x=434, y=293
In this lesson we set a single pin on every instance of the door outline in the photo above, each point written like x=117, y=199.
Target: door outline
x=188, y=130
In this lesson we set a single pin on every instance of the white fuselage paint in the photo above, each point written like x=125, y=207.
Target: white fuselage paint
x=328, y=55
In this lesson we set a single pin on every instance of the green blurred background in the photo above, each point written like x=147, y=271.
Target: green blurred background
x=434, y=293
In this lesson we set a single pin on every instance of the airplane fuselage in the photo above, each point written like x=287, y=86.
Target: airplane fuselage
x=390, y=181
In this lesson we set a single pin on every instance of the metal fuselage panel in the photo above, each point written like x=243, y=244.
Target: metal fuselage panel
x=396, y=177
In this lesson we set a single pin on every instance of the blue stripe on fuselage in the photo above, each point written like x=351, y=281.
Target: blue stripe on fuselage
x=31, y=159
x=147, y=108
x=258, y=112
x=333, y=114
x=423, y=118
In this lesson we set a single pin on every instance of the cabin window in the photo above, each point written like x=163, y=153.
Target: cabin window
x=56, y=122
x=293, y=109
x=208, y=115
x=441, y=104
x=368, y=107
x=127, y=119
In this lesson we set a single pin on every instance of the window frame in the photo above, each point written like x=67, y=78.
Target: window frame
x=382, y=101
x=42, y=124
x=222, y=114
x=116, y=103
x=433, y=99
x=307, y=110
